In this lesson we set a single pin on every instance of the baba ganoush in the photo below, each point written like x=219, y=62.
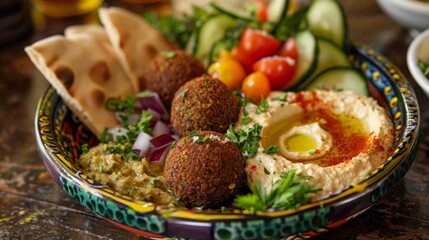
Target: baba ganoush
x=336, y=138
x=126, y=176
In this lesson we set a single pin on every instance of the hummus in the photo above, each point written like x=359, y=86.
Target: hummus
x=134, y=178
x=336, y=138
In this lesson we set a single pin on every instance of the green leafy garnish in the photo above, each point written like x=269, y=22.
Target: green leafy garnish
x=126, y=151
x=178, y=30
x=84, y=148
x=291, y=25
x=245, y=120
x=262, y=106
x=247, y=139
x=289, y=192
x=183, y=92
x=271, y=150
x=424, y=67
x=168, y=54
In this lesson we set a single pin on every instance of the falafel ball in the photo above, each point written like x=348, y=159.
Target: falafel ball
x=204, y=169
x=203, y=104
x=170, y=70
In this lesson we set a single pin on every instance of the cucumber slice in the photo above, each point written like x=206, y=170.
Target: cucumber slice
x=326, y=19
x=210, y=32
x=236, y=12
x=330, y=55
x=341, y=78
x=308, y=52
x=277, y=10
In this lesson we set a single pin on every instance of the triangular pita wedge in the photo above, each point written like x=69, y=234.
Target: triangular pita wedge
x=85, y=72
x=96, y=31
x=135, y=41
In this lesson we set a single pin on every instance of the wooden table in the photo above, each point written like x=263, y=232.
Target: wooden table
x=33, y=207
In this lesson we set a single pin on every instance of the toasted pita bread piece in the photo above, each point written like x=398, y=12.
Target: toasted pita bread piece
x=135, y=41
x=86, y=73
x=96, y=31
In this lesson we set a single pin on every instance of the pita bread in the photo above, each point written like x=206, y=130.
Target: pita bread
x=136, y=42
x=96, y=31
x=85, y=72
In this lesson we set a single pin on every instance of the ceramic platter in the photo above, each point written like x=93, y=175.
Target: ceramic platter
x=60, y=134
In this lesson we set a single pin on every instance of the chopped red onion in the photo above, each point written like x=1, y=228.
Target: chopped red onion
x=156, y=116
x=142, y=144
x=151, y=100
x=158, y=155
x=161, y=141
x=160, y=128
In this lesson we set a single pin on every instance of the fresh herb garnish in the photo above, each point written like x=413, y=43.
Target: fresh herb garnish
x=290, y=191
x=126, y=151
x=245, y=120
x=84, y=148
x=168, y=54
x=291, y=25
x=183, y=92
x=424, y=67
x=247, y=139
x=271, y=150
x=262, y=106
x=178, y=30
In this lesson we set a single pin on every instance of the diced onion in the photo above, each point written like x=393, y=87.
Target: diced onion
x=142, y=144
x=152, y=100
x=158, y=156
x=161, y=141
x=160, y=128
x=117, y=131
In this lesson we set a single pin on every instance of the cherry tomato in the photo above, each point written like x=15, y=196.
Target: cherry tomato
x=278, y=70
x=255, y=86
x=244, y=60
x=228, y=70
x=289, y=49
x=262, y=13
x=256, y=44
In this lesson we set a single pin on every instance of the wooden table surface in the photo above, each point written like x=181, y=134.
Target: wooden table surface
x=33, y=207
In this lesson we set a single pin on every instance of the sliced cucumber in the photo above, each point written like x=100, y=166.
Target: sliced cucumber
x=341, y=78
x=326, y=19
x=236, y=12
x=210, y=32
x=277, y=10
x=330, y=55
x=308, y=52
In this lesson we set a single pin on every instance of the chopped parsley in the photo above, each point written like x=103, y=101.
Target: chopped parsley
x=424, y=67
x=126, y=151
x=262, y=106
x=245, y=120
x=168, y=54
x=247, y=139
x=183, y=92
x=281, y=99
x=84, y=148
x=196, y=138
x=271, y=150
x=290, y=191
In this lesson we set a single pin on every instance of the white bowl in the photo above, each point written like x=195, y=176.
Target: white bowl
x=411, y=14
x=419, y=49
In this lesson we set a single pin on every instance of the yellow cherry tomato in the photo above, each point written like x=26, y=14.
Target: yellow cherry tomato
x=229, y=71
x=255, y=86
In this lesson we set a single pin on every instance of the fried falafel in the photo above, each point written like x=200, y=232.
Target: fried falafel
x=170, y=70
x=203, y=104
x=204, y=169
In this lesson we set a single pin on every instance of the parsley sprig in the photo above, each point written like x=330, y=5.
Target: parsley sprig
x=289, y=192
x=247, y=139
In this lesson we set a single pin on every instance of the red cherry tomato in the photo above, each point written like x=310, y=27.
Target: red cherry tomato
x=245, y=61
x=278, y=70
x=256, y=44
x=262, y=13
x=289, y=49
